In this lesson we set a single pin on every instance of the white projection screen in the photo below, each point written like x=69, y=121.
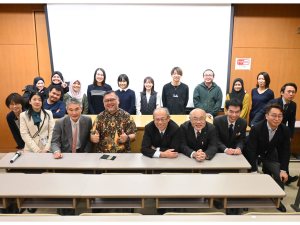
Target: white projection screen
x=140, y=40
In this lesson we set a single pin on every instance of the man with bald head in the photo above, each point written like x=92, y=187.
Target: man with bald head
x=199, y=139
x=161, y=137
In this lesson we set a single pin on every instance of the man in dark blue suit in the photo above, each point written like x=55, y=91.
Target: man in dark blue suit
x=288, y=92
x=161, y=137
x=270, y=139
x=231, y=129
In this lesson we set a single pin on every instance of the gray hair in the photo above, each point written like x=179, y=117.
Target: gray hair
x=162, y=109
x=73, y=101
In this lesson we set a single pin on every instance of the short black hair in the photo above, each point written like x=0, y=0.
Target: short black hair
x=14, y=97
x=57, y=87
x=288, y=84
x=123, y=77
x=272, y=106
x=233, y=102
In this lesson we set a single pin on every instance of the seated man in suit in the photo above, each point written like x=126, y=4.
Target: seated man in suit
x=288, y=92
x=231, y=129
x=161, y=137
x=199, y=139
x=71, y=133
x=271, y=140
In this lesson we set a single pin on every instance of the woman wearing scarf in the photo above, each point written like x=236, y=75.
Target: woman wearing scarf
x=76, y=92
x=239, y=93
x=36, y=125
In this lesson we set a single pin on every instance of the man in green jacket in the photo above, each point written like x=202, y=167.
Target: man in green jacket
x=208, y=95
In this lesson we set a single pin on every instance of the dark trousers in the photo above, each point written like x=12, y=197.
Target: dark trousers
x=272, y=168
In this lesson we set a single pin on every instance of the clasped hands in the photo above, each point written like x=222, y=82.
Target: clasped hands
x=199, y=155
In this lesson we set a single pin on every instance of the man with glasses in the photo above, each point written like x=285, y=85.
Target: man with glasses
x=288, y=92
x=271, y=140
x=199, y=139
x=114, y=128
x=161, y=137
x=231, y=129
x=208, y=95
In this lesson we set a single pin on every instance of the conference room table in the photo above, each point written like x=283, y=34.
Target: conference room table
x=124, y=162
x=65, y=190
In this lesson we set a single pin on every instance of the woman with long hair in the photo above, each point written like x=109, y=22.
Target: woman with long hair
x=36, y=125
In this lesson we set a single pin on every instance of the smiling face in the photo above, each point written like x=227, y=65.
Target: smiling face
x=237, y=86
x=274, y=117
x=15, y=107
x=123, y=84
x=76, y=86
x=198, y=119
x=208, y=77
x=161, y=119
x=54, y=96
x=56, y=79
x=36, y=103
x=111, y=102
x=148, y=85
x=40, y=85
x=99, y=77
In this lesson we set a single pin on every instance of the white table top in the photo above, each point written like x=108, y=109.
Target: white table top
x=139, y=185
x=123, y=161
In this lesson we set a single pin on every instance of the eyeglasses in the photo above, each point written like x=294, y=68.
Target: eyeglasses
x=279, y=116
x=208, y=75
x=291, y=92
x=160, y=119
x=109, y=100
x=198, y=119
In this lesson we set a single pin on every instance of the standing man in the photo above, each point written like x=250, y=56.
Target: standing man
x=288, y=92
x=199, y=139
x=113, y=129
x=175, y=95
x=231, y=129
x=161, y=137
x=271, y=140
x=72, y=133
x=53, y=103
x=208, y=95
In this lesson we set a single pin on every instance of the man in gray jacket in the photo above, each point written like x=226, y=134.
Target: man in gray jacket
x=208, y=95
x=71, y=133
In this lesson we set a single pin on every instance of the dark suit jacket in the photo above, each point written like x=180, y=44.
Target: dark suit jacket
x=15, y=129
x=208, y=140
x=238, y=137
x=152, y=138
x=62, y=135
x=289, y=115
x=277, y=150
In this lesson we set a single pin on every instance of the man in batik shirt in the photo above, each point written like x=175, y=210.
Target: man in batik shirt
x=114, y=128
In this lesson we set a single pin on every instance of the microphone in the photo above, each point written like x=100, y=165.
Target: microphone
x=17, y=155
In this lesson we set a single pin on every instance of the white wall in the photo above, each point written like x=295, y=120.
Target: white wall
x=140, y=40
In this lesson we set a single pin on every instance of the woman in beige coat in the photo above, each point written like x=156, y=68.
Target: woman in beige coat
x=36, y=125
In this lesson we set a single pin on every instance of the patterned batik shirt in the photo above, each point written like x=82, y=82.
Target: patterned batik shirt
x=110, y=127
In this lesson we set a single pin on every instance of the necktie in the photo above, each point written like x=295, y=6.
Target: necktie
x=75, y=135
x=161, y=134
x=198, y=136
x=230, y=130
x=285, y=107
